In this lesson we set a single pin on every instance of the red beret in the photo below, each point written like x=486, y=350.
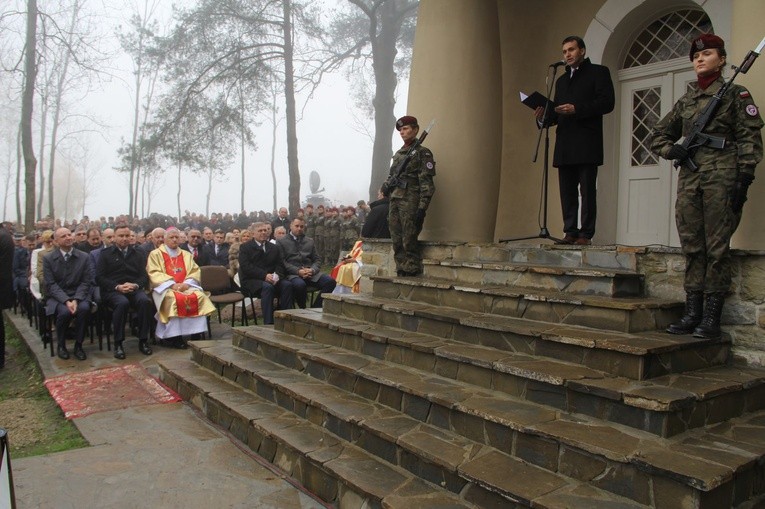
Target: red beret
x=706, y=41
x=407, y=120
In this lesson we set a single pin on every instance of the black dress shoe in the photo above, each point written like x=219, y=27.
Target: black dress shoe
x=79, y=353
x=62, y=352
x=119, y=352
x=144, y=348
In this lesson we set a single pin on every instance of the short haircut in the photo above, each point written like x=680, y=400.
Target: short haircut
x=575, y=38
x=219, y=231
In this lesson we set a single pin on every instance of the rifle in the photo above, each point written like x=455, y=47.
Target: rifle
x=394, y=178
x=696, y=138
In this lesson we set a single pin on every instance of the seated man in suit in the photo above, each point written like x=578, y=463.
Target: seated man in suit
x=218, y=251
x=195, y=246
x=69, y=281
x=153, y=241
x=303, y=264
x=121, y=275
x=262, y=273
x=182, y=306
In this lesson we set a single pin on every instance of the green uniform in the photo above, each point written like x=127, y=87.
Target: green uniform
x=350, y=232
x=703, y=213
x=319, y=235
x=310, y=226
x=335, y=229
x=404, y=204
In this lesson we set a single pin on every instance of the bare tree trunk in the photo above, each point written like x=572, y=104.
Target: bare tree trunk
x=43, y=135
x=27, y=106
x=19, y=158
x=7, y=186
x=274, y=124
x=57, y=108
x=209, y=191
x=384, y=102
x=290, y=111
x=243, y=160
x=178, y=196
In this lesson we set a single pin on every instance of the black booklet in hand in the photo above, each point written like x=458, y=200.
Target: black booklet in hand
x=536, y=100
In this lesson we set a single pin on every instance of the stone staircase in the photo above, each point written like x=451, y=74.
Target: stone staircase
x=500, y=378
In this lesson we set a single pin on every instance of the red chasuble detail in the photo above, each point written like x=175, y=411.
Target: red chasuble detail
x=175, y=267
x=188, y=305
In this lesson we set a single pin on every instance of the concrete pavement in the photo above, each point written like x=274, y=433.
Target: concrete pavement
x=147, y=456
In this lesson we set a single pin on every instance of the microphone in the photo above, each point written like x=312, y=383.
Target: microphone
x=558, y=64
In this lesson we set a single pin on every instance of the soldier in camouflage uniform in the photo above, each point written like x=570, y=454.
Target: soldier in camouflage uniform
x=319, y=231
x=350, y=229
x=710, y=200
x=333, y=230
x=408, y=205
x=310, y=222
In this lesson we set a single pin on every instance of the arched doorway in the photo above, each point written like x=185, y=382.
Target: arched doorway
x=653, y=75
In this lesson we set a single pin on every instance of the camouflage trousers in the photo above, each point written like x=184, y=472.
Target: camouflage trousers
x=404, y=232
x=319, y=243
x=705, y=223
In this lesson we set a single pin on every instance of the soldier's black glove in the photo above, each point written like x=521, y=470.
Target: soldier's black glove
x=740, y=188
x=677, y=153
x=419, y=219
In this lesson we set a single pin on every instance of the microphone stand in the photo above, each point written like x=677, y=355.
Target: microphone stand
x=544, y=233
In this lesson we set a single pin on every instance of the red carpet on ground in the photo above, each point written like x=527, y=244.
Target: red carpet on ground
x=101, y=390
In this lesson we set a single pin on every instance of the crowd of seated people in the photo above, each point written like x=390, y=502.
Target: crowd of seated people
x=151, y=266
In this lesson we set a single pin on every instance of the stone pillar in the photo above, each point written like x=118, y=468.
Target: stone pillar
x=456, y=79
x=747, y=34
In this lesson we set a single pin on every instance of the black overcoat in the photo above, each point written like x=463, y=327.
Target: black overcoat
x=579, y=137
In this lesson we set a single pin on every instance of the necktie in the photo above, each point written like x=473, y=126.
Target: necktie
x=216, y=249
x=195, y=253
x=66, y=257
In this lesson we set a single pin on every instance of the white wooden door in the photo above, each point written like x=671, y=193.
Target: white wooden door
x=647, y=183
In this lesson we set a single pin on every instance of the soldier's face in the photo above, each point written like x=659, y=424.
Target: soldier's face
x=707, y=61
x=408, y=133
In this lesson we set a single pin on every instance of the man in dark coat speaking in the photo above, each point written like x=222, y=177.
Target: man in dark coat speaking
x=583, y=94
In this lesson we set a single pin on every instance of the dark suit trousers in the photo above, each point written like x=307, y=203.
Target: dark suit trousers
x=325, y=284
x=283, y=290
x=120, y=303
x=575, y=180
x=64, y=318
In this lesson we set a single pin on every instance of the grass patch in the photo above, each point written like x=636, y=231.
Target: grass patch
x=35, y=423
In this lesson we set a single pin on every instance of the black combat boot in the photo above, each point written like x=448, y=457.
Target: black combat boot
x=709, y=328
x=694, y=305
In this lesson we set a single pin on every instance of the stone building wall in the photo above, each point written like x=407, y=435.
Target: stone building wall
x=662, y=269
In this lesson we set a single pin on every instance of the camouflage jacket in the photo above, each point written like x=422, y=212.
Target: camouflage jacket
x=418, y=175
x=351, y=228
x=319, y=226
x=737, y=120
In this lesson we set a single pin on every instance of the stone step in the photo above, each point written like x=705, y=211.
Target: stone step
x=664, y=406
x=574, y=280
x=701, y=468
x=634, y=356
x=626, y=314
x=336, y=471
x=379, y=454
x=597, y=257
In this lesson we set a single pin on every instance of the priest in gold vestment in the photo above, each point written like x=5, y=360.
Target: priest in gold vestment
x=182, y=306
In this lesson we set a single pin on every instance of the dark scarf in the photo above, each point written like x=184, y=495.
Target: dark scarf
x=705, y=81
